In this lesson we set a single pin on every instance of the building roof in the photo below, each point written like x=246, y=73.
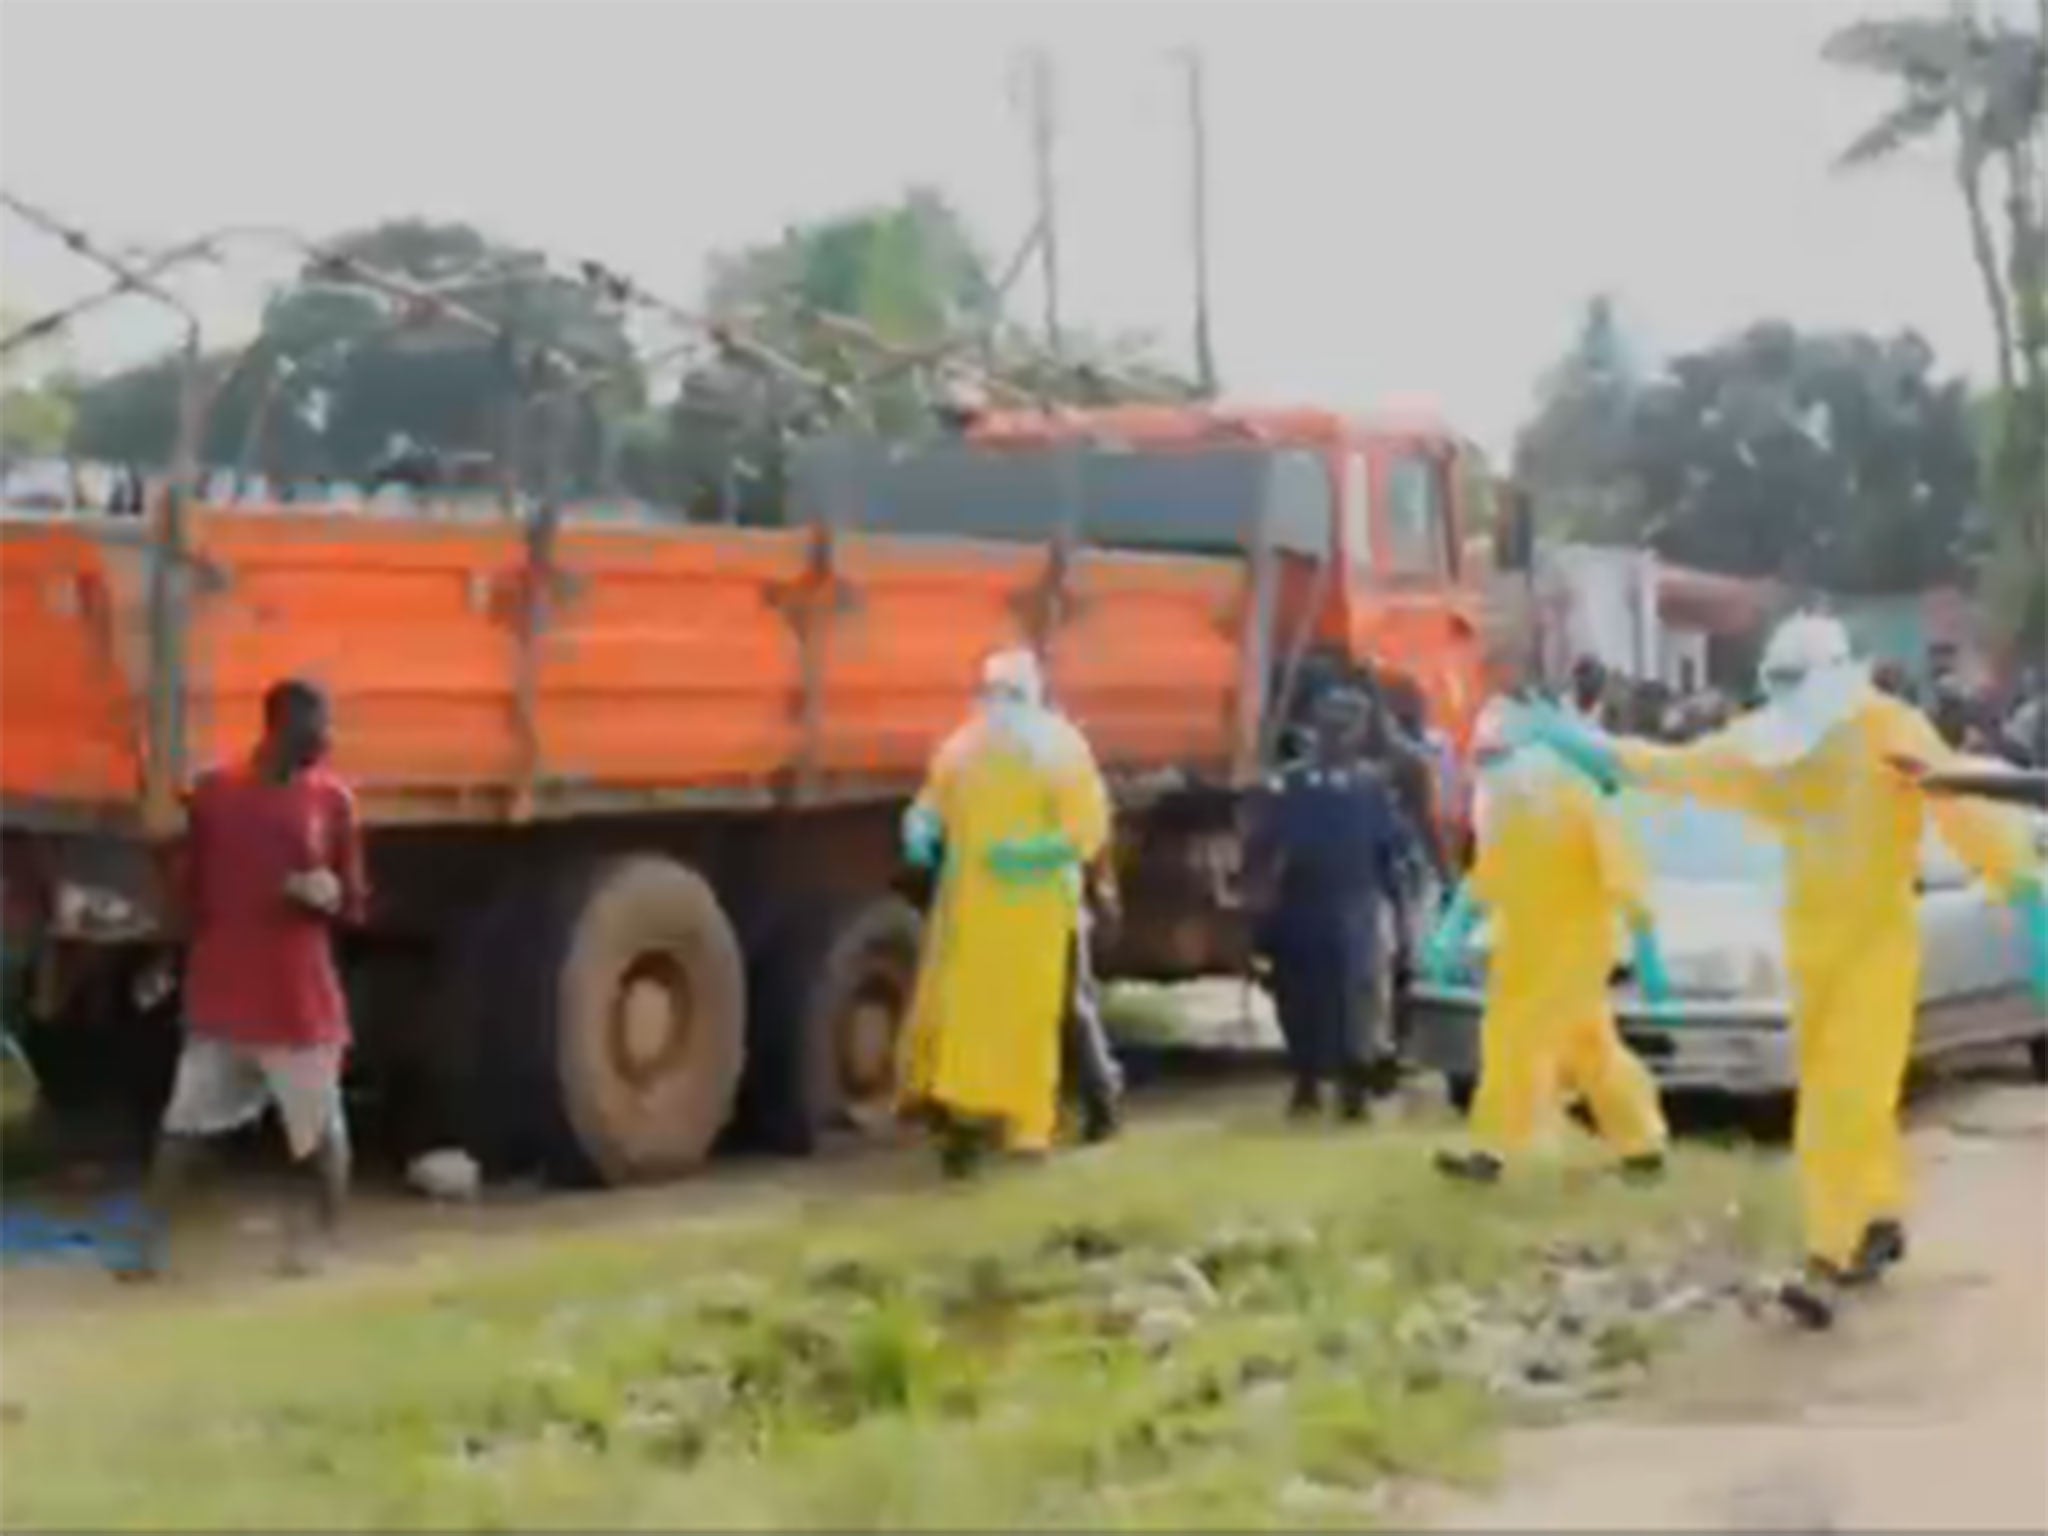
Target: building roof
x=1710, y=601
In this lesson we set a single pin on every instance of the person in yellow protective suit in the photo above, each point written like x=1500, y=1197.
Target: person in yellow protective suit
x=1557, y=875
x=1012, y=808
x=1821, y=764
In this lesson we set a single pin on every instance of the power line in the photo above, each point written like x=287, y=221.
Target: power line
x=1198, y=216
x=1041, y=109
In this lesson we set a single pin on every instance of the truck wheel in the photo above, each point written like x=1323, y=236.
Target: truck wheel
x=1769, y=1117
x=832, y=987
x=643, y=1026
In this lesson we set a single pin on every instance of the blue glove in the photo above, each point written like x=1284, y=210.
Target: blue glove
x=923, y=835
x=2030, y=904
x=1445, y=947
x=1027, y=860
x=1545, y=725
x=1652, y=980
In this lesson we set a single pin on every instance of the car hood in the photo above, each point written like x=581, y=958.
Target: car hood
x=1717, y=917
x=1699, y=917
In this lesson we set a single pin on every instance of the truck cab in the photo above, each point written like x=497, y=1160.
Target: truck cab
x=1374, y=512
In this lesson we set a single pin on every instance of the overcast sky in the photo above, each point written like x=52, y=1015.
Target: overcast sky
x=1409, y=200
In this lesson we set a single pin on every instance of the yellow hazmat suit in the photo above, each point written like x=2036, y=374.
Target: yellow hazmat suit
x=983, y=1040
x=1852, y=827
x=1557, y=875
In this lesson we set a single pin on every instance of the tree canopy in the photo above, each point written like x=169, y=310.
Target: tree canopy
x=861, y=319
x=1839, y=460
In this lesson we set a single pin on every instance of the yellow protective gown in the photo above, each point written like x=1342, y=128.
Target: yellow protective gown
x=1852, y=826
x=1556, y=875
x=983, y=1039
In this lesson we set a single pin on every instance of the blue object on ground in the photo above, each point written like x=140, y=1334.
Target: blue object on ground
x=116, y=1234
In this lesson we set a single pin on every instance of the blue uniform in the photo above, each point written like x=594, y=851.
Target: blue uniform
x=1336, y=841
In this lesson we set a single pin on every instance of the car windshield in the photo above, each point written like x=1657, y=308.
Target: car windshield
x=1682, y=840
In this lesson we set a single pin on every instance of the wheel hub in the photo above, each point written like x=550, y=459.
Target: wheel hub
x=867, y=1040
x=652, y=1014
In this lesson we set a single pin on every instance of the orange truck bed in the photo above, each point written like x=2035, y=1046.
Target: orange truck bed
x=667, y=669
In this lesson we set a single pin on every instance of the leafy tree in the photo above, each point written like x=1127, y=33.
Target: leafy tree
x=1571, y=457
x=339, y=370
x=35, y=396
x=34, y=422
x=1839, y=460
x=878, y=312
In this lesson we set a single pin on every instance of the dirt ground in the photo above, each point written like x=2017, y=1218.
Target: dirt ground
x=231, y=1235
x=1926, y=1409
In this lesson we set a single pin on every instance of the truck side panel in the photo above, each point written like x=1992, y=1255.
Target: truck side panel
x=71, y=674
x=1149, y=664
x=667, y=668
x=405, y=623
x=1144, y=656
x=667, y=664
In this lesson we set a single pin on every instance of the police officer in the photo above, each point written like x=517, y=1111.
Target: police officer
x=1328, y=847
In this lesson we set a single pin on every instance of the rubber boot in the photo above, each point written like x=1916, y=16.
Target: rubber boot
x=1883, y=1245
x=964, y=1146
x=1642, y=1168
x=1813, y=1296
x=1470, y=1167
x=1101, y=1119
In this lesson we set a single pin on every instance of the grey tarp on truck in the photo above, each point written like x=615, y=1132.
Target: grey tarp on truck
x=1204, y=500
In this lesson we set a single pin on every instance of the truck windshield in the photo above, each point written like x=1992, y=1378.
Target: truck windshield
x=1202, y=500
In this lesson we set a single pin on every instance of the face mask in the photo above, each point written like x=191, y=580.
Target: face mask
x=1006, y=713
x=1801, y=709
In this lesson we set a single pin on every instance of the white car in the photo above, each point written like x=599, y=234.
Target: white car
x=1717, y=893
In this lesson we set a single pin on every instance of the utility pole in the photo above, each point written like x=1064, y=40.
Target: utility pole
x=1040, y=86
x=1198, y=213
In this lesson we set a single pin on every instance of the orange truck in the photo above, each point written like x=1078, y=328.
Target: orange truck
x=632, y=791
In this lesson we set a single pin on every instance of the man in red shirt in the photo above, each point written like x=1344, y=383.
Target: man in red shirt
x=272, y=861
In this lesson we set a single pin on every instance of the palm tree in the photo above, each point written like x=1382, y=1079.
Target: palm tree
x=1988, y=84
x=1985, y=82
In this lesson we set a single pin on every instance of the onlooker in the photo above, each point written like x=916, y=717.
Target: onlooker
x=1097, y=1079
x=1891, y=677
x=1588, y=698
x=1952, y=712
x=1423, y=766
x=272, y=861
x=2025, y=735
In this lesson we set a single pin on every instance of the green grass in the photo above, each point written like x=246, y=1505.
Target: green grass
x=934, y=1357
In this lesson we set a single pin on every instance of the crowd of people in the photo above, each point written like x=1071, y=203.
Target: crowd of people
x=2009, y=723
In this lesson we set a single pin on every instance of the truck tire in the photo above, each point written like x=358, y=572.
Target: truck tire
x=831, y=987
x=641, y=1020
